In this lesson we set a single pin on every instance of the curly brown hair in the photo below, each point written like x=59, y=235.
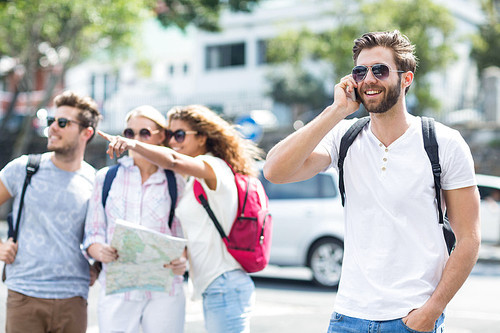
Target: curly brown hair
x=223, y=140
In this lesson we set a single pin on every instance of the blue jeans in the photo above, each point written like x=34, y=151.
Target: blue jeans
x=227, y=303
x=340, y=323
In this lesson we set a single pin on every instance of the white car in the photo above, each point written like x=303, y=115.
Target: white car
x=308, y=223
x=308, y=226
x=489, y=189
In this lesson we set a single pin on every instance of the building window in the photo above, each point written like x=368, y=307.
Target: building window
x=228, y=55
x=185, y=68
x=171, y=70
x=262, y=52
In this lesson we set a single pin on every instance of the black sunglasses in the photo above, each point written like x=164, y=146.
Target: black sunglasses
x=380, y=71
x=61, y=122
x=178, y=135
x=144, y=133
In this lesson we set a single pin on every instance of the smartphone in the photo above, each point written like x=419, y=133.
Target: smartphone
x=354, y=95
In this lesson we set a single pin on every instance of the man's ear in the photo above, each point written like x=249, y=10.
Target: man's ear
x=88, y=133
x=407, y=79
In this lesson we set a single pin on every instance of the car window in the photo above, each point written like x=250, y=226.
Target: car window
x=491, y=193
x=317, y=187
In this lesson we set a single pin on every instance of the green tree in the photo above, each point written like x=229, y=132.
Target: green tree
x=204, y=14
x=51, y=35
x=296, y=87
x=428, y=25
x=486, y=44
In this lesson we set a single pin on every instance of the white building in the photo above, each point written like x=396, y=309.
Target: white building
x=226, y=70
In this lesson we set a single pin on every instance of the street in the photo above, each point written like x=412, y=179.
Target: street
x=287, y=302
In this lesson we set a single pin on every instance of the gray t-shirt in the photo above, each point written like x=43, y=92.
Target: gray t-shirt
x=49, y=261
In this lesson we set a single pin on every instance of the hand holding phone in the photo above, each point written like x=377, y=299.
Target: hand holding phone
x=353, y=95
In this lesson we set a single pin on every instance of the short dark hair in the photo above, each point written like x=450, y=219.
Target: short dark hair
x=402, y=48
x=88, y=116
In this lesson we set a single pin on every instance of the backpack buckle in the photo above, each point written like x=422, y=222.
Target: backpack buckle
x=30, y=169
x=436, y=169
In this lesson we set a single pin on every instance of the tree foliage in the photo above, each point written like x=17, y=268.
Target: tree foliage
x=79, y=26
x=203, y=14
x=50, y=35
x=486, y=44
x=429, y=26
x=297, y=86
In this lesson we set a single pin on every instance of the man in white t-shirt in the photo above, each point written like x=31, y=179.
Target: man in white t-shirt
x=396, y=273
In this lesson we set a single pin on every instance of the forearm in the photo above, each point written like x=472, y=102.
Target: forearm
x=93, y=251
x=167, y=158
x=4, y=193
x=102, y=252
x=286, y=160
x=455, y=273
x=164, y=157
x=463, y=212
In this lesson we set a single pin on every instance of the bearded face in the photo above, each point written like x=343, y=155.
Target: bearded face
x=391, y=97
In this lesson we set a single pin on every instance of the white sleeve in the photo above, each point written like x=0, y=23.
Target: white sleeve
x=456, y=160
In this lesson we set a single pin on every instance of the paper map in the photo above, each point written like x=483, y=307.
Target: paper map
x=142, y=253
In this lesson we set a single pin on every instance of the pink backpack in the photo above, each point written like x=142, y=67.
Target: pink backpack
x=249, y=240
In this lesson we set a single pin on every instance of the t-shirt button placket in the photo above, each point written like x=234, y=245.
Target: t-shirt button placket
x=384, y=159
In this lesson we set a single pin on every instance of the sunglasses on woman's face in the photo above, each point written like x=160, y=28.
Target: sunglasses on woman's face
x=144, y=133
x=178, y=135
x=380, y=71
x=61, y=122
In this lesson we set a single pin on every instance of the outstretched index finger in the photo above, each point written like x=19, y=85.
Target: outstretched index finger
x=105, y=135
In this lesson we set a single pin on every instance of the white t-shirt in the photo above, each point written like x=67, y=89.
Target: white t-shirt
x=208, y=256
x=394, y=246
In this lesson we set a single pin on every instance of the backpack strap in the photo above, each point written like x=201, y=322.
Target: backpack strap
x=201, y=197
x=431, y=148
x=108, y=180
x=31, y=168
x=345, y=143
x=172, y=189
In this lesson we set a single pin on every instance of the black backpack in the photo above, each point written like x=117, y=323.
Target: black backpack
x=431, y=147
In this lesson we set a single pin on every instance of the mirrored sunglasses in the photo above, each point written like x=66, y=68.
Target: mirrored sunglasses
x=380, y=71
x=61, y=122
x=144, y=133
x=178, y=135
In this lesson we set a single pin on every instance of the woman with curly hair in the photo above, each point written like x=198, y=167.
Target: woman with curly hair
x=202, y=145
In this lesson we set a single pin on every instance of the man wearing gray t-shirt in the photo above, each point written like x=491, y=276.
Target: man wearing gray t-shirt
x=47, y=275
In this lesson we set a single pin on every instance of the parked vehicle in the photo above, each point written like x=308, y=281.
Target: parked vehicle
x=308, y=223
x=308, y=226
x=489, y=189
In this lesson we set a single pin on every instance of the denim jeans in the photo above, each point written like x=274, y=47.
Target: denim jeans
x=227, y=303
x=340, y=323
